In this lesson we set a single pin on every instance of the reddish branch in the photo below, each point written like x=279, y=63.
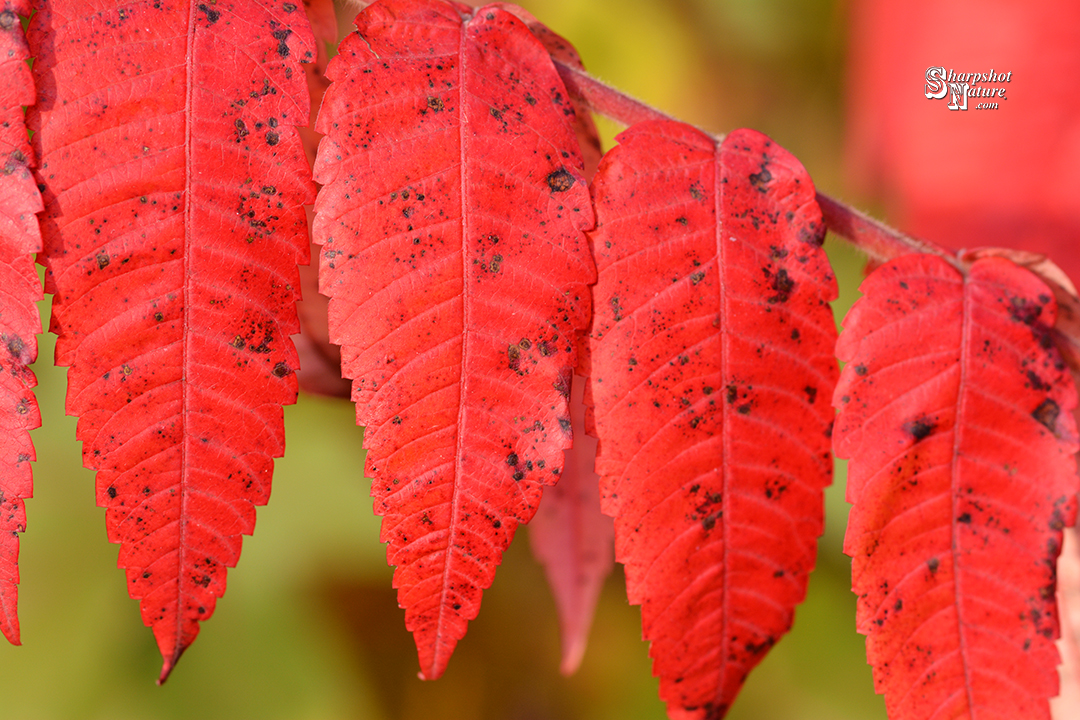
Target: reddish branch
x=876, y=239
x=873, y=237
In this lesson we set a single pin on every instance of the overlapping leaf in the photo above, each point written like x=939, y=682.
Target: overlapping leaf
x=451, y=221
x=955, y=409
x=173, y=224
x=19, y=289
x=711, y=366
x=572, y=538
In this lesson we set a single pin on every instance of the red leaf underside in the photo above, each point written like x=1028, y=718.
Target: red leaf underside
x=19, y=289
x=451, y=221
x=710, y=371
x=572, y=538
x=173, y=224
x=956, y=412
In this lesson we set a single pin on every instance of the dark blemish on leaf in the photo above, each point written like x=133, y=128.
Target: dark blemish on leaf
x=524, y=343
x=111, y=491
x=919, y=428
x=828, y=430
x=159, y=316
x=212, y=16
x=513, y=352
x=530, y=99
x=1047, y=414
x=815, y=235
x=682, y=221
x=697, y=277
x=281, y=36
x=744, y=409
x=289, y=7
x=512, y=459
x=783, y=285
x=496, y=263
x=696, y=192
x=795, y=334
x=241, y=130
x=933, y=564
x=760, y=178
x=560, y=181
x=237, y=342
x=1022, y=311
x=964, y=518
x=272, y=138
x=562, y=384
x=436, y=104
x=102, y=261
x=564, y=423
x=1036, y=382
x=518, y=475
x=811, y=394
x=269, y=190
x=280, y=370
x=861, y=370
x=707, y=390
x=732, y=394
x=614, y=302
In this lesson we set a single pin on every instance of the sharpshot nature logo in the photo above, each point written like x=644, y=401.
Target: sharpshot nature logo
x=961, y=86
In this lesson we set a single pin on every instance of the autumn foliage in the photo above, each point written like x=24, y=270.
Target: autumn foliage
x=475, y=258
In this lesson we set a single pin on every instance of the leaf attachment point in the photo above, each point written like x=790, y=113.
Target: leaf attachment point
x=956, y=413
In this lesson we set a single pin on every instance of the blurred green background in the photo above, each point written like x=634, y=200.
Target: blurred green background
x=310, y=628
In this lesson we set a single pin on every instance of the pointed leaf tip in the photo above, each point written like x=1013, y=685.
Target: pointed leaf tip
x=458, y=284
x=173, y=225
x=711, y=361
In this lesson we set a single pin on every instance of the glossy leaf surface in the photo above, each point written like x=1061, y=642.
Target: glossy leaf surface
x=711, y=366
x=19, y=289
x=451, y=221
x=173, y=224
x=955, y=409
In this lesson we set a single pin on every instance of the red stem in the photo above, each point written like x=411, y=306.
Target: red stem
x=881, y=242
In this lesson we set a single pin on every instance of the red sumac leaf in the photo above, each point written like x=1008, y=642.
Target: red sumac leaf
x=711, y=369
x=955, y=409
x=452, y=221
x=19, y=289
x=562, y=51
x=572, y=539
x=175, y=185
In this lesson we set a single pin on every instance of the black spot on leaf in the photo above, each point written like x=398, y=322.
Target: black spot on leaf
x=919, y=428
x=560, y=181
x=1047, y=414
x=212, y=16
